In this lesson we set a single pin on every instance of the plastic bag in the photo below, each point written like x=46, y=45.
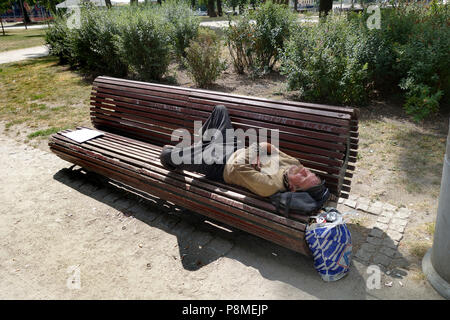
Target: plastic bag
x=331, y=246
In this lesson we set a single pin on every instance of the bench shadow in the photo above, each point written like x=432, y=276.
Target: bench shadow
x=202, y=241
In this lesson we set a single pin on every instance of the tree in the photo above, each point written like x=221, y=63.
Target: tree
x=210, y=9
x=133, y=2
x=219, y=8
x=4, y=5
x=324, y=7
x=26, y=17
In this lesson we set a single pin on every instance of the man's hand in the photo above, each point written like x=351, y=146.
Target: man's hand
x=257, y=165
x=266, y=146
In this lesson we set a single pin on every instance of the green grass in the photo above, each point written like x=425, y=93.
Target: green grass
x=45, y=132
x=40, y=94
x=19, y=39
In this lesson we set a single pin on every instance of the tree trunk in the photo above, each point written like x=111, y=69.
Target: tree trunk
x=26, y=17
x=295, y=5
x=108, y=4
x=219, y=8
x=3, y=29
x=324, y=7
x=133, y=2
x=193, y=4
x=210, y=8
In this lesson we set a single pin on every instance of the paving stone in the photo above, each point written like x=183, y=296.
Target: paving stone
x=378, y=204
x=167, y=221
x=400, y=222
x=390, y=252
x=375, y=232
x=403, y=213
x=363, y=255
x=375, y=210
x=374, y=240
x=362, y=200
x=183, y=229
x=389, y=207
x=201, y=237
x=383, y=219
x=143, y=213
x=381, y=259
x=101, y=193
x=88, y=188
x=394, y=235
x=362, y=206
x=353, y=197
x=341, y=200
x=350, y=203
x=369, y=247
x=387, y=214
x=388, y=242
x=396, y=227
x=382, y=226
x=400, y=262
x=220, y=245
x=123, y=204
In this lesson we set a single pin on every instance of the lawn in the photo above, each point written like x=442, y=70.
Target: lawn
x=39, y=97
x=19, y=39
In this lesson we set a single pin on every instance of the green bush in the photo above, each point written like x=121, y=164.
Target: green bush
x=202, y=60
x=324, y=62
x=339, y=59
x=58, y=39
x=256, y=40
x=239, y=42
x=183, y=22
x=95, y=44
x=145, y=44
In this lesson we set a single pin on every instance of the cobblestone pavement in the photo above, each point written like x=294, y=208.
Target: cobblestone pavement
x=382, y=242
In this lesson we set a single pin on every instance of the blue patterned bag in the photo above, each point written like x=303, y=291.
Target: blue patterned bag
x=331, y=246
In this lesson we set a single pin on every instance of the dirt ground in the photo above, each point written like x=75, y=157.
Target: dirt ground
x=56, y=224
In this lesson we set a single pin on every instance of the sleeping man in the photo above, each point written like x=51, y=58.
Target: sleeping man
x=261, y=168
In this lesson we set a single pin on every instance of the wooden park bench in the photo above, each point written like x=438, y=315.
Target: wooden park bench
x=138, y=118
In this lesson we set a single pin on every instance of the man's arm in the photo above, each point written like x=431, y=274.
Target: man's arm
x=255, y=181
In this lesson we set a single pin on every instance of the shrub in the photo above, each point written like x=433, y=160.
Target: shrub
x=324, y=62
x=239, y=42
x=58, y=39
x=183, y=22
x=203, y=61
x=340, y=58
x=256, y=40
x=95, y=43
x=145, y=44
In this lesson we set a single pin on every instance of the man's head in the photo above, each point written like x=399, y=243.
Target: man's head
x=300, y=178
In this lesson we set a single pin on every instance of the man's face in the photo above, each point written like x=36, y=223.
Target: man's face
x=301, y=178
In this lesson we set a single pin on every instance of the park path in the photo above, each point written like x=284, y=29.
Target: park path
x=22, y=54
x=66, y=235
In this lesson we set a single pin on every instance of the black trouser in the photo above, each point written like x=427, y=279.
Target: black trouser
x=211, y=163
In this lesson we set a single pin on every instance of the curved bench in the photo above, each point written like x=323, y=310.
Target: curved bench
x=138, y=118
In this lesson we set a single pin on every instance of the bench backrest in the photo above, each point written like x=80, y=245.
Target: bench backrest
x=324, y=138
